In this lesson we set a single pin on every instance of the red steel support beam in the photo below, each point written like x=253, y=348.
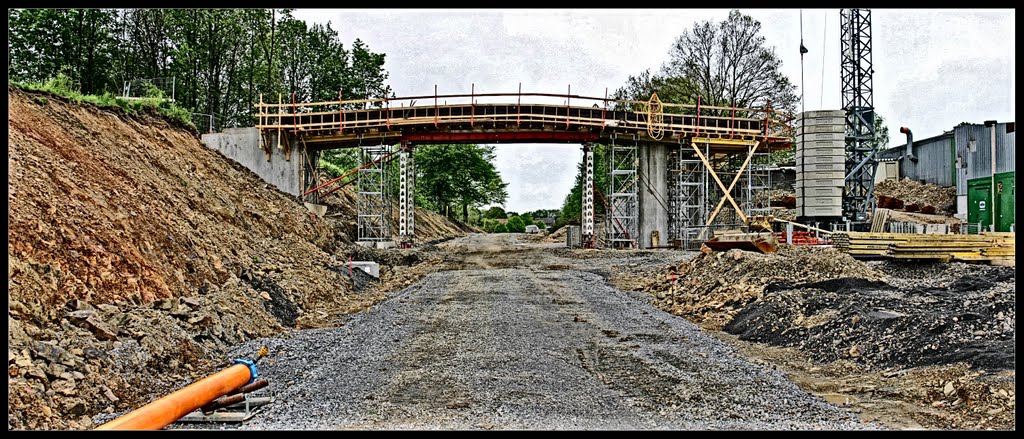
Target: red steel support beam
x=349, y=173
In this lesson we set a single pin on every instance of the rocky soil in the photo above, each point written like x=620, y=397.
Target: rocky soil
x=137, y=255
x=513, y=335
x=711, y=288
x=911, y=344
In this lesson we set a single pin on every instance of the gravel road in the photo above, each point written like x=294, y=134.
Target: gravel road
x=524, y=337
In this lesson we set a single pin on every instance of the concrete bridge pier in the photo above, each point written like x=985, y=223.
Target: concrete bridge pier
x=652, y=190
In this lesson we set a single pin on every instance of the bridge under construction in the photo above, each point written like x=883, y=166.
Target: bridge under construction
x=676, y=171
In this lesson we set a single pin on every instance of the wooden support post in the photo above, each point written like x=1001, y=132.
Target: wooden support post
x=567, y=98
x=519, y=104
x=472, y=103
x=341, y=114
x=280, y=108
x=435, y=105
x=698, y=121
x=605, y=109
x=295, y=124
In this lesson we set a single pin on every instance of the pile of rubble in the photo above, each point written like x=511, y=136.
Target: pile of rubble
x=713, y=287
x=915, y=196
x=882, y=326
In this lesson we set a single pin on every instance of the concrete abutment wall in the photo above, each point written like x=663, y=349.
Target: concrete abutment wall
x=242, y=145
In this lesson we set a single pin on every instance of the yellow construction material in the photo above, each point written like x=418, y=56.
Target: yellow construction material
x=994, y=248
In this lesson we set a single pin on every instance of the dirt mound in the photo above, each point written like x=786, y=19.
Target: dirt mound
x=909, y=192
x=136, y=255
x=712, y=287
x=969, y=318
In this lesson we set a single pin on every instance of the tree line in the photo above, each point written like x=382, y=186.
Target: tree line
x=221, y=60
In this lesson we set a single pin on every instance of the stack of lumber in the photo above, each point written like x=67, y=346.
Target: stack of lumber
x=1002, y=251
x=996, y=248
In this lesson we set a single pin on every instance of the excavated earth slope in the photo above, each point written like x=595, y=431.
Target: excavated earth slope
x=136, y=255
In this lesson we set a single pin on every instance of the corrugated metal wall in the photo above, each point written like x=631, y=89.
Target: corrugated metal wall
x=934, y=160
x=976, y=162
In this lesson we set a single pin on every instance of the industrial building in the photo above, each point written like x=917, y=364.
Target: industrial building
x=963, y=157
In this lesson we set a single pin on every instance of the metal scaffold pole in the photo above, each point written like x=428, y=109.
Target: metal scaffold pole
x=587, y=220
x=406, y=196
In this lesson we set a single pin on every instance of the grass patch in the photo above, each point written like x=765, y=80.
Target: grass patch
x=154, y=103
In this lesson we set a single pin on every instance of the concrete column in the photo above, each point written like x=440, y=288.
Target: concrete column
x=406, y=196
x=653, y=194
x=587, y=222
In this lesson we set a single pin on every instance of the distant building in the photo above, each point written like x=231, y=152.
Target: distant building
x=962, y=157
x=548, y=222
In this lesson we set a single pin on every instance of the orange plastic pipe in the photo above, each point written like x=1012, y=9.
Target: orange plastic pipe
x=159, y=413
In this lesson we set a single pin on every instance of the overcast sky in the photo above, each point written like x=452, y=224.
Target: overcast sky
x=934, y=68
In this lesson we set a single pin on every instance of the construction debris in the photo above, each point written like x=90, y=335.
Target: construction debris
x=712, y=287
x=906, y=192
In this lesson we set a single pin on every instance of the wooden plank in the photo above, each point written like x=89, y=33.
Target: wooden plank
x=1004, y=262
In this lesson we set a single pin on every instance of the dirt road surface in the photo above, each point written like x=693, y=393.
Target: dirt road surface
x=515, y=335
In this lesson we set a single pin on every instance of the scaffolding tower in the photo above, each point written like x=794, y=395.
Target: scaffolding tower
x=759, y=183
x=621, y=221
x=373, y=205
x=687, y=210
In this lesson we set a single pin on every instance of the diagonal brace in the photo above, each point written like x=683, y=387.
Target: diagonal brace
x=727, y=193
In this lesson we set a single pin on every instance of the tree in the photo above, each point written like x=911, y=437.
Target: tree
x=541, y=225
x=730, y=64
x=221, y=60
x=501, y=228
x=458, y=175
x=495, y=212
x=516, y=225
x=881, y=132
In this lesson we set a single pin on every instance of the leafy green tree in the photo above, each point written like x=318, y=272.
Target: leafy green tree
x=458, y=175
x=501, y=228
x=495, y=212
x=516, y=224
x=540, y=224
x=221, y=60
